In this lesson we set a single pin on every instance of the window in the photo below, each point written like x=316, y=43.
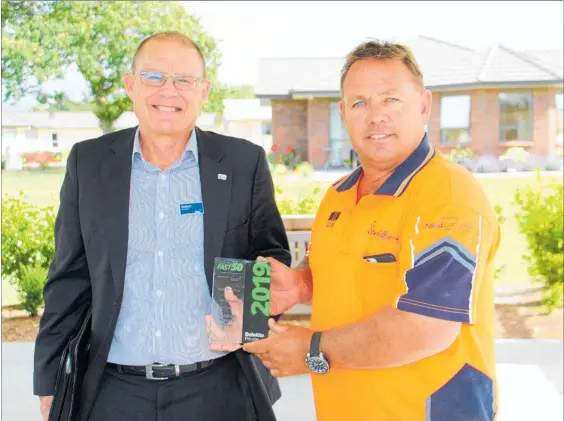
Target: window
x=55, y=140
x=267, y=127
x=455, y=119
x=265, y=102
x=339, y=147
x=515, y=116
x=337, y=129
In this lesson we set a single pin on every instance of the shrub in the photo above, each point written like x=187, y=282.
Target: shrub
x=540, y=218
x=500, y=219
x=295, y=192
x=459, y=153
x=3, y=162
x=290, y=157
x=516, y=154
x=39, y=157
x=30, y=287
x=27, y=237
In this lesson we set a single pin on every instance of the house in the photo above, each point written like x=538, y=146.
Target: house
x=246, y=118
x=34, y=131
x=487, y=101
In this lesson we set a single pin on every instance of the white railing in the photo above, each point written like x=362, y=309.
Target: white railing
x=299, y=243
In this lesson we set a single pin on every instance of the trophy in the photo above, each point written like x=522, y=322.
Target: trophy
x=240, y=301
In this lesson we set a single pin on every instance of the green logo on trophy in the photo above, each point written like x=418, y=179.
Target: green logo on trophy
x=240, y=301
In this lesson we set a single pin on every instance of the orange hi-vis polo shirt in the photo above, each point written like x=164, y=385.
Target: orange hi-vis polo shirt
x=423, y=243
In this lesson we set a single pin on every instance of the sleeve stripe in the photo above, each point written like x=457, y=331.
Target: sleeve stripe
x=447, y=242
x=425, y=310
x=480, y=220
x=433, y=306
x=455, y=253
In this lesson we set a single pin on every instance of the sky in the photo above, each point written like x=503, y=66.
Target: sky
x=247, y=30
x=250, y=30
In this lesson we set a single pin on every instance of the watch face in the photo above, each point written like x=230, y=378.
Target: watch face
x=318, y=365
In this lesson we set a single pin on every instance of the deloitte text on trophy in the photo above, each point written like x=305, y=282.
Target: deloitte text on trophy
x=240, y=301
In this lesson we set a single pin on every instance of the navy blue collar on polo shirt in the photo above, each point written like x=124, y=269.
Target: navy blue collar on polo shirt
x=396, y=184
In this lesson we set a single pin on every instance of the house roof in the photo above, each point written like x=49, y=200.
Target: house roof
x=245, y=110
x=235, y=110
x=445, y=66
x=62, y=120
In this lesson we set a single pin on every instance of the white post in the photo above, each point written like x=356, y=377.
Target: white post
x=13, y=158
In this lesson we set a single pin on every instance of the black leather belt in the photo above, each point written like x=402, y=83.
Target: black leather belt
x=164, y=371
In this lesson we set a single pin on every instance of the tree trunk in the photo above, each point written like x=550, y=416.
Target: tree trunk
x=107, y=128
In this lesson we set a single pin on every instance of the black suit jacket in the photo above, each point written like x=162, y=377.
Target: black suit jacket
x=241, y=220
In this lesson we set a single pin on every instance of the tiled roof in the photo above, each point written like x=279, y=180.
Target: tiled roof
x=444, y=66
x=235, y=110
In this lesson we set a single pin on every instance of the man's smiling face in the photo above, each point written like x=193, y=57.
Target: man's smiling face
x=167, y=110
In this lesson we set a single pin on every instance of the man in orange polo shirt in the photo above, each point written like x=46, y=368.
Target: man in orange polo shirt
x=400, y=271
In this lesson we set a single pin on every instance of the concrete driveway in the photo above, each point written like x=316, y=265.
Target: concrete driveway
x=529, y=371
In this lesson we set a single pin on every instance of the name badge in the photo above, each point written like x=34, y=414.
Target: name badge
x=189, y=208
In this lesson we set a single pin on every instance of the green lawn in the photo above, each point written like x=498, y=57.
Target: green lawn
x=513, y=246
x=9, y=294
x=42, y=188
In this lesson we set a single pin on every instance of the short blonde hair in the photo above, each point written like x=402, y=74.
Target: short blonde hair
x=382, y=50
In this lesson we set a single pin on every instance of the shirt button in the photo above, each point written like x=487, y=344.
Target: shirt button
x=162, y=177
x=158, y=333
x=160, y=253
x=161, y=215
x=159, y=293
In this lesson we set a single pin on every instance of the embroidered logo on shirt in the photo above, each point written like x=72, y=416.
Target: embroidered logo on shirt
x=332, y=218
x=449, y=223
x=384, y=234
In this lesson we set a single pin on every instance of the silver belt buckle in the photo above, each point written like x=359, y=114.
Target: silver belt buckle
x=149, y=371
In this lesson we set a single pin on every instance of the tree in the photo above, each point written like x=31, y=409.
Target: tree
x=43, y=40
x=59, y=102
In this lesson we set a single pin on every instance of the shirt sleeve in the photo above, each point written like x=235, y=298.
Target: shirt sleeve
x=447, y=255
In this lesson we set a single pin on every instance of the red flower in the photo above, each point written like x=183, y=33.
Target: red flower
x=289, y=149
x=274, y=147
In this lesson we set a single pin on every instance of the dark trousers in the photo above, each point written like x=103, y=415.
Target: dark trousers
x=217, y=393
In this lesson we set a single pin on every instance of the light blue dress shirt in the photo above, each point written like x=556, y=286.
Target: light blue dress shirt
x=166, y=294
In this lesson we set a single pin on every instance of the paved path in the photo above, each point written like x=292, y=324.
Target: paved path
x=530, y=383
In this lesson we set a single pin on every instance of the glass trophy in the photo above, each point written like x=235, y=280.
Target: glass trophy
x=240, y=301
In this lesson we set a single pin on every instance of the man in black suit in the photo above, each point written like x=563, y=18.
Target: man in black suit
x=143, y=213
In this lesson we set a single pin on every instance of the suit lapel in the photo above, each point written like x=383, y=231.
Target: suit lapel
x=115, y=186
x=216, y=179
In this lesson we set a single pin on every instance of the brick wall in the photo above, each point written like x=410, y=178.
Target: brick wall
x=544, y=122
x=305, y=124
x=289, y=125
x=433, y=127
x=484, y=122
x=318, y=131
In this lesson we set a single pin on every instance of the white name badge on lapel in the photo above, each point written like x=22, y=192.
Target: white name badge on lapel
x=221, y=177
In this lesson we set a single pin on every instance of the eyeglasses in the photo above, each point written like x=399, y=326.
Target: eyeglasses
x=157, y=79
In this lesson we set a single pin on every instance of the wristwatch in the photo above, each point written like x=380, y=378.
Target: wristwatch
x=316, y=360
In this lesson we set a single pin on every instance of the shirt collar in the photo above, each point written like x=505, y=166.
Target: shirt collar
x=191, y=149
x=396, y=184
